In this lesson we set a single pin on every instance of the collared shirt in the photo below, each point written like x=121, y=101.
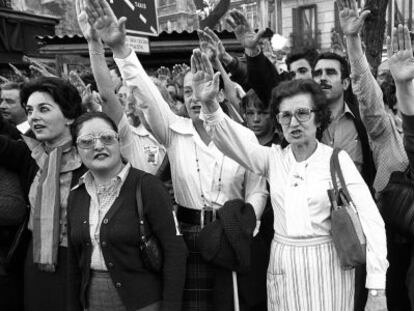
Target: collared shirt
x=298, y=190
x=143, y=151
x=342, y=133
x=23, y=127
x=385, y=141
x=201, y=175
x=102, y=198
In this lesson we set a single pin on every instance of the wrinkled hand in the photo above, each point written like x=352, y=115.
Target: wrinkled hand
x=351, y=21
x=205, y=81
x=244, y=33
x=400, y=54
x=110, y=29
x=378, y=303
x=88, y=31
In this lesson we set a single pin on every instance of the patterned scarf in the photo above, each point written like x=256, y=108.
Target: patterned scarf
x=46, y=205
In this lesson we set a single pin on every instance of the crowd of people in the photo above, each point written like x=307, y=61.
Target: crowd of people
x=218, y=171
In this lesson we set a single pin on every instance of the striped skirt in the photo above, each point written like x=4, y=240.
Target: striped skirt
x=304, y=274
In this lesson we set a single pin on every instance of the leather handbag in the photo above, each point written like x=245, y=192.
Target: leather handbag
x=150, y=248
x=347, y=234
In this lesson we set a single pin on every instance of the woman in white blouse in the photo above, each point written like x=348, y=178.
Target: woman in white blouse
x=202, y=177
x=304, y=272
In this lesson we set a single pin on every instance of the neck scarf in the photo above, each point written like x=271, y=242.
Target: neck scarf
x=46, y=205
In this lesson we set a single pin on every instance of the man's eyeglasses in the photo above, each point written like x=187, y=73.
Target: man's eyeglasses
x=88, y=141
x=301, y=114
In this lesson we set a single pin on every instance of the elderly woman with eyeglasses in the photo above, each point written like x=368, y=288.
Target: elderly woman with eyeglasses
x=106, y=269
x=304, y=272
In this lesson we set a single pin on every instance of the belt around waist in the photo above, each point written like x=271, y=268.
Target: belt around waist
x=195, y=216
x=100, y=273
x=302, y=241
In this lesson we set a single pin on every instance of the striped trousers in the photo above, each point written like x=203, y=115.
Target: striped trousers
x=304, y=274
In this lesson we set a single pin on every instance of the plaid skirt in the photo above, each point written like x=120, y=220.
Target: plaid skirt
x=199, y=281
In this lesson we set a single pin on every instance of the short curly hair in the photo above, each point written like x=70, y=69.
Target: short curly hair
x=63, y=93
x=303, y=86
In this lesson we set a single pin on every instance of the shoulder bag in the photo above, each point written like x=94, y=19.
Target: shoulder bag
x=150, y=248
x=347, y=234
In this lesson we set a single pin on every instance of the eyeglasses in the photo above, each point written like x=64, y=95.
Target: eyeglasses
x=301, y=114
x=88, y=141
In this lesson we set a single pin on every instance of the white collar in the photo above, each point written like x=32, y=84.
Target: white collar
x=23, y=127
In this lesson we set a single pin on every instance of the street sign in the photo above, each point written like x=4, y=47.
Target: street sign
x=138, y=44
x=141, y=14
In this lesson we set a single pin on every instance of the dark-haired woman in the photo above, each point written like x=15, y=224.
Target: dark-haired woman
x=106, y=270
x=304, y=272
x=46, y=167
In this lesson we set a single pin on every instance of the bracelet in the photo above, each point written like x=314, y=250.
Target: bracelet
x=94, y=52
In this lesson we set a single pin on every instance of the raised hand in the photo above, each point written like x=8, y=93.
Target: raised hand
x=244, y=33
x=3, y=80
x=40, y=67
x=208, y=46
x=400, y=54
x=351, y=21
x=164, y=75
x=110, y=29
x=20, y=74
x=42, y=71
x=178, y=73
x=77, y=82
x=205, y=81
x=88, y=31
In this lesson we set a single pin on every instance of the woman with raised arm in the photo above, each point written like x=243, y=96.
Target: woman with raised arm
x=107, y=271
x=304, y=271
x=138, y=145
x=46, y=166
x=203, y=178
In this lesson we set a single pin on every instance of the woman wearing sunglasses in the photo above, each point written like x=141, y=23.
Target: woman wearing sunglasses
x=106, y=270
x=304, y=271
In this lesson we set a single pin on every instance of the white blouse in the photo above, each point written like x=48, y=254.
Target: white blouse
x=141, y=149
x=216, y=179
x=298, y=190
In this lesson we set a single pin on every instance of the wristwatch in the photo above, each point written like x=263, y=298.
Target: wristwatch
x=376, y=292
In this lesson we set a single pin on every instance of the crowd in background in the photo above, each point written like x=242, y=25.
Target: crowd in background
x=228, y=158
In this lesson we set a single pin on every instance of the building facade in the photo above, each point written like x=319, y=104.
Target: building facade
x=313, y=23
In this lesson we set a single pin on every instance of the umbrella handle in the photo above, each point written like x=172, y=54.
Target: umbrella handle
x=235, y=291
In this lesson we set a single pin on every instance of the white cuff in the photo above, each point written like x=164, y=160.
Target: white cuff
x=212, y=118
x=375, y=281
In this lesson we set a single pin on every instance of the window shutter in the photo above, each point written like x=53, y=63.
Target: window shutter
x=295, y=28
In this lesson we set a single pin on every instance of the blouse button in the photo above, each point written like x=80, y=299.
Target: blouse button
x=110, y=265
x=118, y=284
x=87, y=244
x=85, y=222
x=105, y=221
x=103, y=244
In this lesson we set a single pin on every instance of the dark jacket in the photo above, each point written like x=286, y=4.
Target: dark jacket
x=262, y=76
x=137, y=286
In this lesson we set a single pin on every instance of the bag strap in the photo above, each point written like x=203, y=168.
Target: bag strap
x=140, y=208
x=336, y=170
